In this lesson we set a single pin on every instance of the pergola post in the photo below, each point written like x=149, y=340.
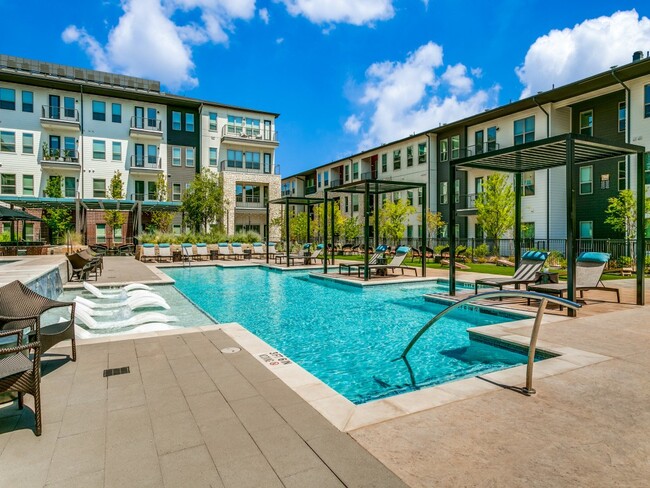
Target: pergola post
x=286, y=227
x=366, y=230
x=308, y=223
x=517, y=236
x=268, y=230
x=333, y=230
x=325, y=232
x=571, y=223
x=640, y=229
x=77, y=216
x=452, y=229
x=423, y=233
x=376, y=226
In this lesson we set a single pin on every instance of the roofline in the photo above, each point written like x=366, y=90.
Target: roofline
x=61, y=82
x=598, y=81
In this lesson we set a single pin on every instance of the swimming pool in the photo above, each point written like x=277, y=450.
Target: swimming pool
x=347, y=336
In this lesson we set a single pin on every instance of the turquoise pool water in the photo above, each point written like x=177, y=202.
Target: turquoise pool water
x=347, y=336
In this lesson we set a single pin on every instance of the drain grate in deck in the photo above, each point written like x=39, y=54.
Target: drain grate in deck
x=116, y=371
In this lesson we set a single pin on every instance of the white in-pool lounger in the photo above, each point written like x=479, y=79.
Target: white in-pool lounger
x=84, y=316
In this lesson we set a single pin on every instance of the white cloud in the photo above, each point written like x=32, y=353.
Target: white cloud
x=264, y=15
x=146, y=42
x=456, y=77
x=407, y=97
x=279, y=40
x=563, y=56
x=352, y=124
x=356, y=12
x=476, y=72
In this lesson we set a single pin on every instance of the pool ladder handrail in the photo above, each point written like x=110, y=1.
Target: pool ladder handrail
x=543, y=301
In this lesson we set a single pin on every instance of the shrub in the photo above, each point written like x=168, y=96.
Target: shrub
x=556, y=258
x=624, y=261
x=481, y=251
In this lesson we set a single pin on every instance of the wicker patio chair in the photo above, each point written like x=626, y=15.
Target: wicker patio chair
x=81, y=267
x=21, y=374
x=93, y=257
x=21, y=308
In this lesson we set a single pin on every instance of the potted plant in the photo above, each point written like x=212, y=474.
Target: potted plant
x=67, y=155
x=54, y=153
x=46, y=152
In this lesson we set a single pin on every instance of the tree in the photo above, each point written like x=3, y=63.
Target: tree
x=495, y=206
x=351, y=228
x=621, y=213
x=115, y=218
x=392, y=217
x=58, y=220
x=298, y=227
x=203, y=201
x=434, y=222
x=161, y=219
x=317, y=224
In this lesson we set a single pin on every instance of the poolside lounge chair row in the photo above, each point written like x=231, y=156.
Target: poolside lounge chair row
x=305, y=256
x=397, y=262
x=163, y=251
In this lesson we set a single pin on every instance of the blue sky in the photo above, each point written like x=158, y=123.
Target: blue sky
x=344, y=74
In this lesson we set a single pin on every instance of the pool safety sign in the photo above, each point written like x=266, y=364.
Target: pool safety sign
x=275, y=358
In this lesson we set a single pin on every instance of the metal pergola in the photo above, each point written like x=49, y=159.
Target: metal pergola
x=375, y=188
x=569, y=150
x=286, y=201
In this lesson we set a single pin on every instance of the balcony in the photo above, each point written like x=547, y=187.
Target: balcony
x=241, y=167
x=250, y=204
x=335, y=183
x=467, y=204
x=253, y=136
x=477, y=149
x=147, y=129
x=60, y=160
x=145, y=164
x=59, y=118
x=310, y=190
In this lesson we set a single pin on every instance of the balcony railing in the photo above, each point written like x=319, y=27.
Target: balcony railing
x=369, y=175
x=64, y=156
x=250, y=203
x=477, y=149
x=250, y=133
x=145, y=162
x=60, y=116
x=144, y=123
x=468, y=201
x=242, y=167
x=335, y=183
x=309, y=190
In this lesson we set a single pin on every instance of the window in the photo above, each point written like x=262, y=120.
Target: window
x=55, y=146
x=253, y=160
x=347, y=172
x=455, y=147
x=7, y=141
x=409, y=231
x=397, y=159
x=152, y=190
x=152, y=118
x=587, y=123
x=28, y=101
x=384, y=163
x=604, y=182
x=646, y=161
x=267, y=163
x=116, y=113
x=117, y=234
x=99, y=188
x=176, y=156
x=457, y=191
x=586, y=183
x=8, y=98
x=68, y=108
x=99, y=110
x=234, y=124
x=524, y=130
x=100, y=233
x=419, y=196
x=117, y=151
x=69, y=147
x=422, y=153
x=586, y=230
x=29, y=231
x=396, y=196
x=621, y=116
x=213, y=120
x=326, y=178
x=99, y=149
x=646, y=100
x=409, y=156
x=355, y=170
x=253, y=127
x=346, y=204
x=444, y=150
x=176, y=121
x=478, y=142
x=319, y=177
x=189, y=122
x=355, y=202
x=213, y=156
x=622, y=176
x=189, y=156
x=28, y=143
x=491, y=138
x=478, y=185
x=528, y=183
x=409, y=197
x=70, y=187
x=28, y=185
x=176, y=192
x=7, y=184
x=235, y=159
x=443, y=193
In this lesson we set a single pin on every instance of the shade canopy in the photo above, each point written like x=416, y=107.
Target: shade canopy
x=12, y=215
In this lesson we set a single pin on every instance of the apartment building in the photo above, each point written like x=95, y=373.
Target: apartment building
x=613, y=106
x=84, y=126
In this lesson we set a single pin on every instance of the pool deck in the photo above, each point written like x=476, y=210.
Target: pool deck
x=189, y=414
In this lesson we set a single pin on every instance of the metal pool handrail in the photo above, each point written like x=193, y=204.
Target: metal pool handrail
x=543, y=300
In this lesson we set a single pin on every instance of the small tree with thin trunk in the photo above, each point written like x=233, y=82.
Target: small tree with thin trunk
x=203, y=201
x=115, y=218
x=434, y=222
x=495, y=206
x=621, y=213
x=160, y=219
x=58, y=220
x=392, y=219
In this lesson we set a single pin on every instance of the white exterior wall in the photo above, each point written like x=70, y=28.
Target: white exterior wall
x=639, y=125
